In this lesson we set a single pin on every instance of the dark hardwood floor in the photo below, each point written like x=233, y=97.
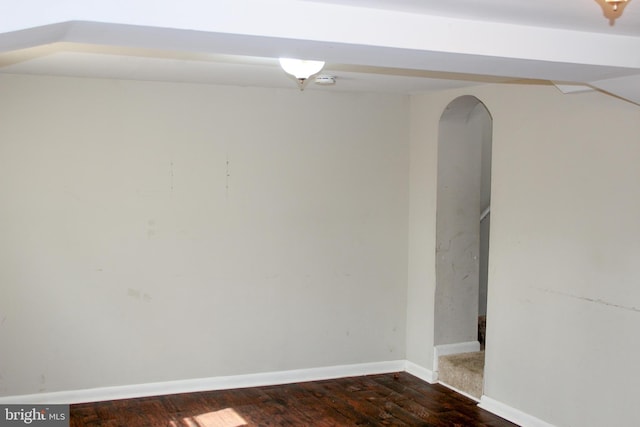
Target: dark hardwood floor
x=376, y=400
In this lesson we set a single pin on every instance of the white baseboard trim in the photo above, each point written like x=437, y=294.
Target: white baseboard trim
x=205, y=384
x=511, y=414
x=262, y=379
x=423, y=373
x=464, y=393
x=456, y=348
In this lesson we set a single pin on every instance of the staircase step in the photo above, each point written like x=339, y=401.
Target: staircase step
x=464, y=372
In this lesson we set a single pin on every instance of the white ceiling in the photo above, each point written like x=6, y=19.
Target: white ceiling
x=399, y=46
x=580, y=15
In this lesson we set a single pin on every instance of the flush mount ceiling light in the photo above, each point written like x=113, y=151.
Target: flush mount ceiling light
x=301, y=69
x=615, y=3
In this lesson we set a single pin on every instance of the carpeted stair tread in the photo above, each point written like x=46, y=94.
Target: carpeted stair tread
x=463, y=371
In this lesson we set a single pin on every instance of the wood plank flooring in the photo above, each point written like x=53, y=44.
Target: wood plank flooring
x=375, y=400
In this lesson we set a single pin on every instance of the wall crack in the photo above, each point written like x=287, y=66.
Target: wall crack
x=593, y=300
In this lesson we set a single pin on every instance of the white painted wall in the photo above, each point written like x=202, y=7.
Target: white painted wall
x=153, y=232
x=485, y=224
x=128, y=256
x=485, y=231
x=564, y=305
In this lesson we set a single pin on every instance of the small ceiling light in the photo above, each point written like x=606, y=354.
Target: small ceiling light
x=301, y=69
x=615, y=3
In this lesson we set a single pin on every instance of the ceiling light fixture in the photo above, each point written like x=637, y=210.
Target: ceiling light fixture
x=301, y=69
x=615, y=3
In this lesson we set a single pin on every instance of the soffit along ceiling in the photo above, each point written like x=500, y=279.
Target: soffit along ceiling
x=398, y=46
x=84, y=60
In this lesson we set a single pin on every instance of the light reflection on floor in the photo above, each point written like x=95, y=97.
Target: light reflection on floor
x=223, y=418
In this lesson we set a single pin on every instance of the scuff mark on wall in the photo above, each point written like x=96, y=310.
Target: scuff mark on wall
x=171, y=175
x=137, y=294
x=151, y=229
x=227, y=176
x=593, y=300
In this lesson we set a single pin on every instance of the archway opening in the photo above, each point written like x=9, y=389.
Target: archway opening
x=462, y=243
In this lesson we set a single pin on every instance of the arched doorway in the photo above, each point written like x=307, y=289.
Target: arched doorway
x=462, y=232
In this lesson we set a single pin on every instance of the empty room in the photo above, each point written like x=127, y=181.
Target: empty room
x=300, y=212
